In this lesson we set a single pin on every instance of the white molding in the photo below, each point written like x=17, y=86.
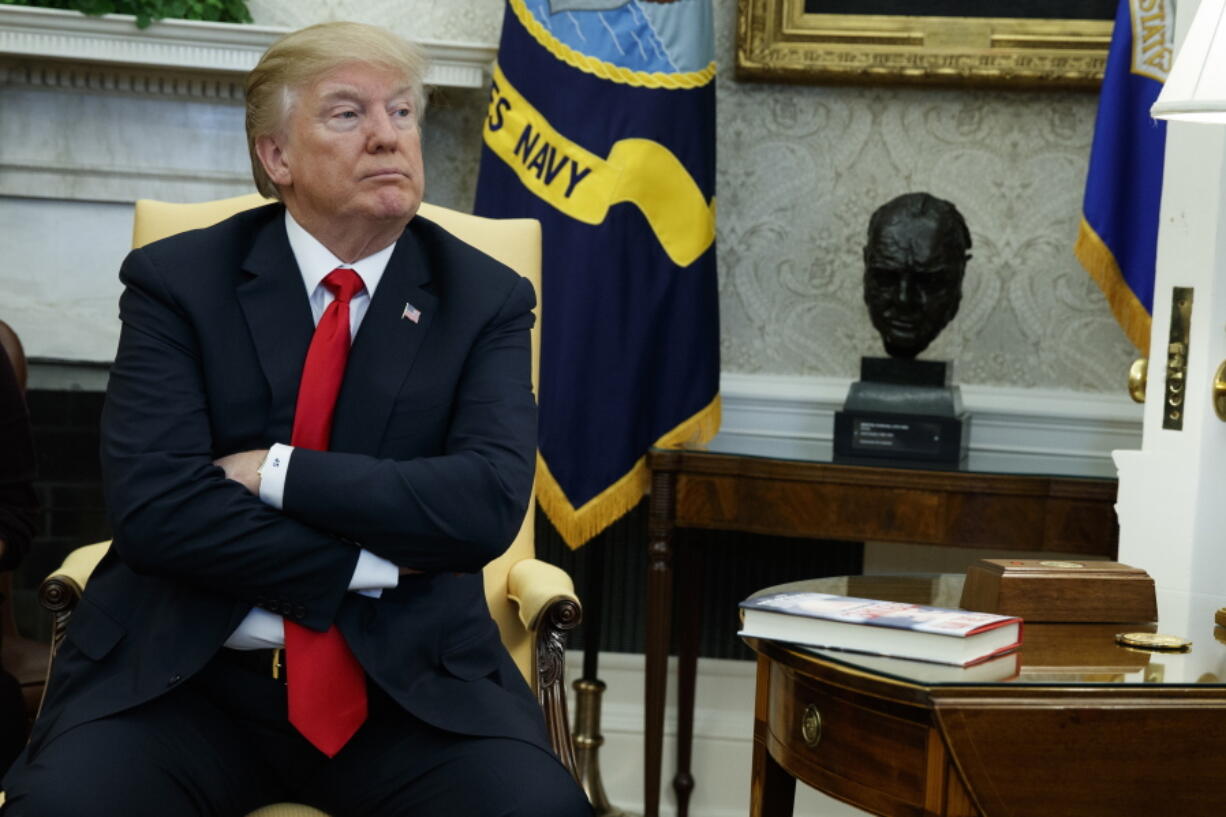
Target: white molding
x=128, y=80
x=130, y=171
x=1035, y=430
x=115, y=183
x=1012, y=429
x=223, y=51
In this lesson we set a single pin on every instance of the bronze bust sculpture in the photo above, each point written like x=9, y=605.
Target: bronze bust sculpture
x=914, y=262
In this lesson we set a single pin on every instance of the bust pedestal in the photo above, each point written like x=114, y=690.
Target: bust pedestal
x=904, y=412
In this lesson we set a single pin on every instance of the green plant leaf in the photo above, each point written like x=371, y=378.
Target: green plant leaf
x=146, y=11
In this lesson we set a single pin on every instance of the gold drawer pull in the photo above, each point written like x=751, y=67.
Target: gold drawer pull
x=811, y=725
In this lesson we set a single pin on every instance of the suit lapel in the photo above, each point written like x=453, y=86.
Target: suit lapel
x=383, y=352
x=278, y=313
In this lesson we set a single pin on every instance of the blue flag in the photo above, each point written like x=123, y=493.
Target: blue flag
x=1117, y=243
x=601, y=125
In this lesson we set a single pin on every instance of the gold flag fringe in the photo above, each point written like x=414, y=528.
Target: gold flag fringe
x=1099, y=261
x=578, y=525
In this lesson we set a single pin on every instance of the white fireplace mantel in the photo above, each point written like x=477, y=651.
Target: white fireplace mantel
x=152, y=113
x=96, y=113
x=49, y=38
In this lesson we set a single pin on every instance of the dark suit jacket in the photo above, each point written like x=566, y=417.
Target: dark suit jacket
x=431, y=464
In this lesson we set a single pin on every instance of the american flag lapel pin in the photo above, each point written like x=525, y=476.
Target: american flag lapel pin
x=411, y=312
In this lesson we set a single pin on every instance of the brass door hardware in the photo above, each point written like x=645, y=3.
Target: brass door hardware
x=1219, y=393
x=1138, y=376
x=811, y=725
x=1177, y=358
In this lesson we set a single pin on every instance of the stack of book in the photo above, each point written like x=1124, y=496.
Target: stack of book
x=898, y=630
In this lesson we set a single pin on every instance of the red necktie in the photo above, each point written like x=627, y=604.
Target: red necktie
x=327, y=688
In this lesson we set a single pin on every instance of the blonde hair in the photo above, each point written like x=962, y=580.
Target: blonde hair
x=301, y=57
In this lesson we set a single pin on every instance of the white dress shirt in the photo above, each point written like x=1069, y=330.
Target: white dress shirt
x=261, y=629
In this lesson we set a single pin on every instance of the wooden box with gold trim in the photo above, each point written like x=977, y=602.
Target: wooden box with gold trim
x=1058, y=590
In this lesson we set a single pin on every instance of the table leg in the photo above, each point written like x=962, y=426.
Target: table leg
x=690, y=591
x=772, y=790
x=659, y=629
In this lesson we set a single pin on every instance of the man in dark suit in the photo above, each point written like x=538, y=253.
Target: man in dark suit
x=318, y=428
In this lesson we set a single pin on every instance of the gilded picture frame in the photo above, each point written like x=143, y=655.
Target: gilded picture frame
x=795, y=41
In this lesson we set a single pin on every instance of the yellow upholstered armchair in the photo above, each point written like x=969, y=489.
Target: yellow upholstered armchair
x=532, y=602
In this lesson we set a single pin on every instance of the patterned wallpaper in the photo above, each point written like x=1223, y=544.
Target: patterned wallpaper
x=801, y=168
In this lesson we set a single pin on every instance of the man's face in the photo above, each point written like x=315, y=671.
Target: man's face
x=912, y=284
x=350, y=149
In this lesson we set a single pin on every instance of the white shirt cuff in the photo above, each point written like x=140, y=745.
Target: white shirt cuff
x=372, y=574
x=273, y=473
x=259, y=630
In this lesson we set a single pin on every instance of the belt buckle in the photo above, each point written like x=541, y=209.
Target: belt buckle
x=277, y=666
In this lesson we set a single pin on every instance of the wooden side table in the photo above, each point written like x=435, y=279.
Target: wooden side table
x=1075, y=725
x=822, y=500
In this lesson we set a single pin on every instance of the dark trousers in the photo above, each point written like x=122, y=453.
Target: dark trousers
x=220, y=745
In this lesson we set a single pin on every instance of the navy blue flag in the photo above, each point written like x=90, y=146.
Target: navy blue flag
x=601, y=125
x=1118, y=239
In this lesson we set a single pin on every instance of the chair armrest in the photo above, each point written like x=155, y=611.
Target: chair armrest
x=60, y=590
x=534, y=586
x=549, y=610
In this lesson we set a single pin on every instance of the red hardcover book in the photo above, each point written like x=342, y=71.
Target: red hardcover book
x=897, y=629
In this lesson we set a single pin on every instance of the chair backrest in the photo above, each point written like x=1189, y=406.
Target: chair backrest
x=10, y=345
x=514, y=242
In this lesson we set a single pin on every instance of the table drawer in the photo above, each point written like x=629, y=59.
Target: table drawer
x=863, y=749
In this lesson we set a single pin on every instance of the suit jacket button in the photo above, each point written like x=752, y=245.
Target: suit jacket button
x=174, y=679
x=299, y=611
x=287, y=609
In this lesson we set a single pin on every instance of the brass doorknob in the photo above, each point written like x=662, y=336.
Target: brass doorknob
x=1138, y=374
x=1219, y=392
